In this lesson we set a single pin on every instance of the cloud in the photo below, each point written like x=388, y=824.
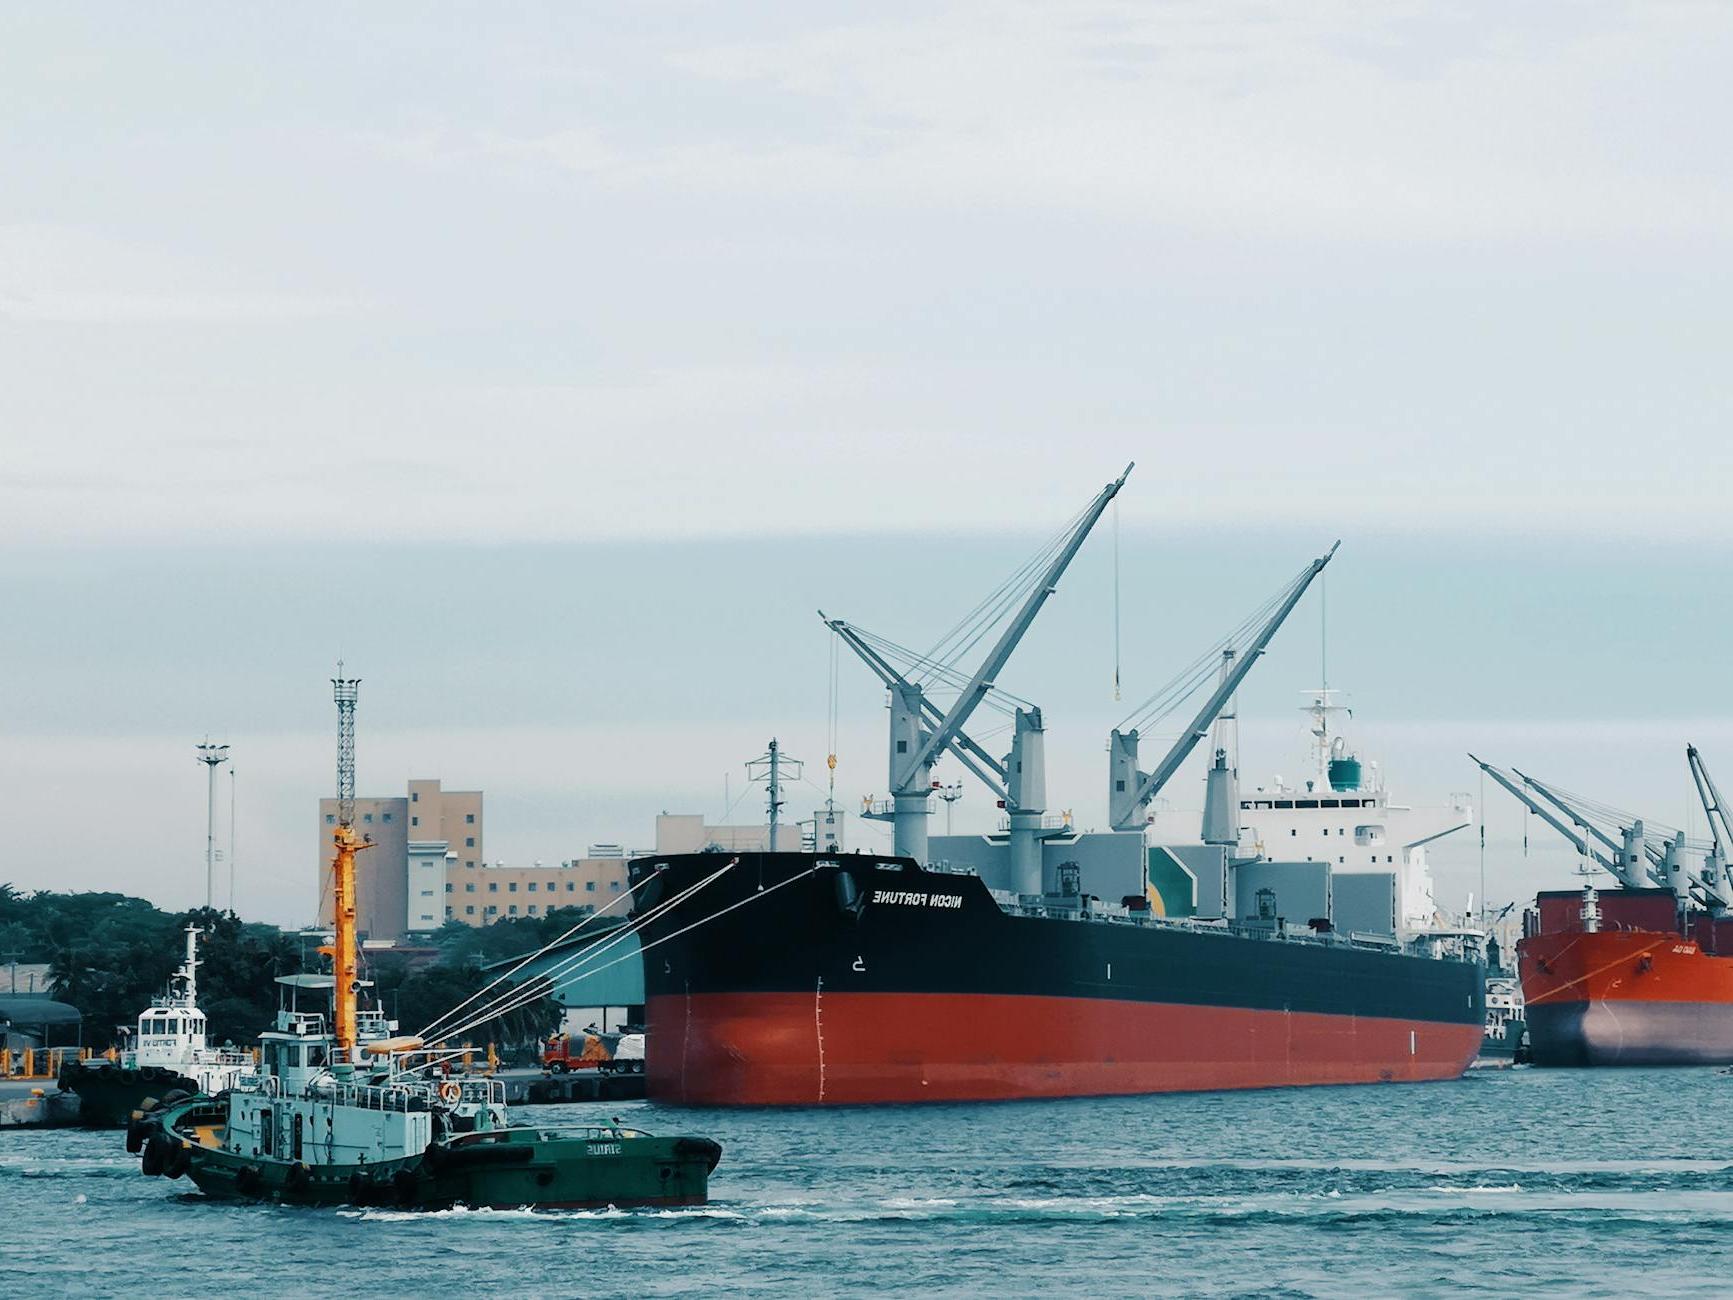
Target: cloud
x=75, y=275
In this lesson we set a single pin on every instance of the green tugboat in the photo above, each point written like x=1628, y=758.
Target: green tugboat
x=341, y=1112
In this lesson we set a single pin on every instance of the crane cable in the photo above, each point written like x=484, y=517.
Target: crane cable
x=714, y=916
x=491, y=1009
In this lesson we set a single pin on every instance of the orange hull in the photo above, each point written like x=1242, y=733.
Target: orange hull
x=1626, y=997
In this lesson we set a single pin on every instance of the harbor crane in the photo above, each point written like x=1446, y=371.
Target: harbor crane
x=1129, y=791
x=920, y=732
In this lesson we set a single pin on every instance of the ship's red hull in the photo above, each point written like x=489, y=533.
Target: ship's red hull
x=774, y=1049
x=1626, y=997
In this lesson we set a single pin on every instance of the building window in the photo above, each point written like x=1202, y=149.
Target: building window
x=1292, y=831
x=330, y=819
x=415, y=821
x=470, y=818
x=512, y=887
x=386, y=817
x=532, y=909
x=613, y=886
x=514, y=909
x=1342, y=860
x=450, y=888
x=427, y=893
x=491, y=909
x=532, y=886
x=1326, y=830
x=469, y=843
x=470, y=910
x=448, y=911
x=493, y=886
x=571, y=886
x=469, y=887
x=367, y=817
x=470, y=863
x=414, y=797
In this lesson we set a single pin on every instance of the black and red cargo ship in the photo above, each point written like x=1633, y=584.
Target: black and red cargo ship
x=805, y=979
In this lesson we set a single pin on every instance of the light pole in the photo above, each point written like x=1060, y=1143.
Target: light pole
x=232, y=840
x=212, y=756
x=950, y=794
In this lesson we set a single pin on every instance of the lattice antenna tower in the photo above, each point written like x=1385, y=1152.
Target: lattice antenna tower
x=345, y=690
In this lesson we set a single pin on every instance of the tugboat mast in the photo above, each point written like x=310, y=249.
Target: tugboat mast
x=344, y=971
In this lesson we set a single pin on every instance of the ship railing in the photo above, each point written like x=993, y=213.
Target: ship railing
x=369, y=1096
x=1116, y=914
x=599, y=1132
x=223, y=1056
x=483, y=1092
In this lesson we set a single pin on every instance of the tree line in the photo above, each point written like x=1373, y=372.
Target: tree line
x=111, y=955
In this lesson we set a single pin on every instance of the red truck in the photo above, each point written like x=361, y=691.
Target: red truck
x=594, y=1050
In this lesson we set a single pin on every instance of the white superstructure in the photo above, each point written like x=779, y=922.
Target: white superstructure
x=171, y=1034
x=1343, y=815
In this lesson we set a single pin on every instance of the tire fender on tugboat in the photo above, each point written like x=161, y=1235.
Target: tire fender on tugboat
x=155, y=1156
x=363, y=1189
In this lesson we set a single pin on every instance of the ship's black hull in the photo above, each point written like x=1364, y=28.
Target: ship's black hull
x=856, y=979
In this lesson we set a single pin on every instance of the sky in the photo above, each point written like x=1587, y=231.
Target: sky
x=552, y=365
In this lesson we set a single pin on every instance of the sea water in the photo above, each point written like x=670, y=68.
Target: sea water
x=1593, y=1183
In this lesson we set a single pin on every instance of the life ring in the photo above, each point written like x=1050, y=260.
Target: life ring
x=450, y=1093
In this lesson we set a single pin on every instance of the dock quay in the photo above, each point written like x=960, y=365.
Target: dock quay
x=36, y=1103
x=530, y=1087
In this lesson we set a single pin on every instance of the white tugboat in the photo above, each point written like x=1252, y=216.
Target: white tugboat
x=169, y=1056
x=340, y=1110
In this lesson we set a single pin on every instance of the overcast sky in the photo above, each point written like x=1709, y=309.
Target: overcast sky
x=553, y=362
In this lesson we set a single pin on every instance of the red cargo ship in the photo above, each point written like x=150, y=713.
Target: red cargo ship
x=1638, y=990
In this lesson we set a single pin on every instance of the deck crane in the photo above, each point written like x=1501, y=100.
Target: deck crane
x=1129, y=790
x=1715, y=865
x=920, y=733
x=1666, y=866
x=1633, y=867
x=1578, y=833
x=1631, y=858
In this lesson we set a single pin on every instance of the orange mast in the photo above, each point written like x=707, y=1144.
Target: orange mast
x=344, y=969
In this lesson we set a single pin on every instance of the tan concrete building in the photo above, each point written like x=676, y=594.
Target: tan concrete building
x=494, y=892
x=416, y=837
x=488, y=893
